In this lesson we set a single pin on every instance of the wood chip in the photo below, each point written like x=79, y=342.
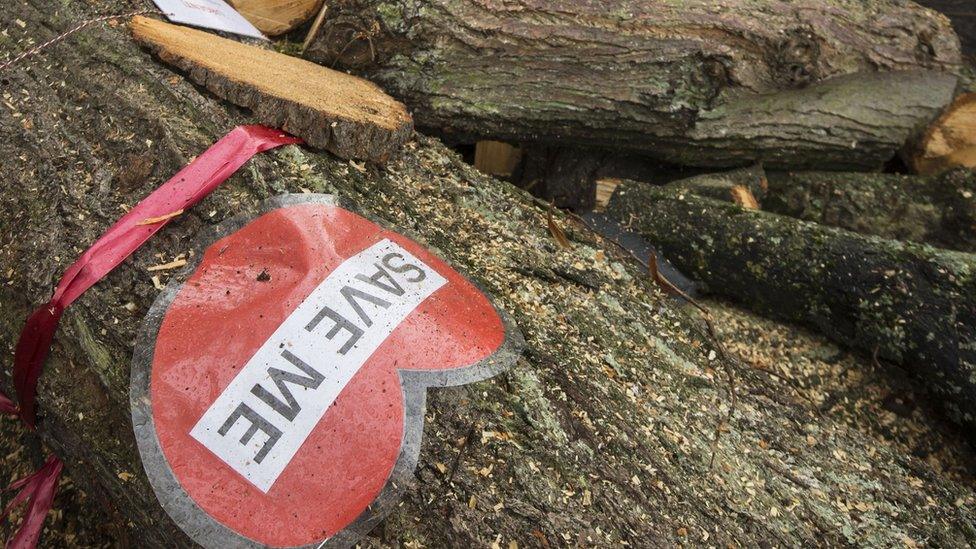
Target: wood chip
x=154, y=220
x=314, y=29
x=332, y=110
x=742, y=196
x=175, y=264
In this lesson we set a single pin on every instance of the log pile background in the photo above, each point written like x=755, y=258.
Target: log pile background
x=604, y=432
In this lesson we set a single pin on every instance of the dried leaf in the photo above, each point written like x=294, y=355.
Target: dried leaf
x=742, y=196
x=557, y=232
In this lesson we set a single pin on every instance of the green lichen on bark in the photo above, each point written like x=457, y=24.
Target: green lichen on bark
x=790, y=83
x=937, y=210
x=611, y=366
x=910, y=303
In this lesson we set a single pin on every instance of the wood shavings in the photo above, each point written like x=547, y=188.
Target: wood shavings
x=160, y=219
x=175, y=264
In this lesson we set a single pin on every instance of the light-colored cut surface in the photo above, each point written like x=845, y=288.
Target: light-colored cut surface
x=496, y=158
x=346, y=115
x=742, y=196
x=951, y=141
x=604, y=190
x=274, y=17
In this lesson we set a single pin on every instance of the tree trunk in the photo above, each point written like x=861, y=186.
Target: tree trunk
x=791, y=83
x=912, y=304
x=963, y=19
x=936, y=210
x=603, y=431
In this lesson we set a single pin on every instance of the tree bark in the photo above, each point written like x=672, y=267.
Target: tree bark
x=602, y=432
x=935, y=210
x=791, y=83
x=963, y=19
x=911, y=304
x=331, y=110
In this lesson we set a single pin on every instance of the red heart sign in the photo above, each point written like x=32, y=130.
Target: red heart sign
x=279, y=390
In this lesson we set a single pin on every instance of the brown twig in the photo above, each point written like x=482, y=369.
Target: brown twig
x=556, y=232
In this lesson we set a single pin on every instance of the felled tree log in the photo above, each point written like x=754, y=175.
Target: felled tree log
x=601, y=433
x=694, y=83
x=722, y=186
x=911, y=304
x=937, y=210
x=963, y=19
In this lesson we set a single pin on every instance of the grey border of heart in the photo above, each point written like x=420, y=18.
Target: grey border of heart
x=193, y=520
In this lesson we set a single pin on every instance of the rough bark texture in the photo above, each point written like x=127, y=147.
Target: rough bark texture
x=963, y=18
x=566, y=177
x=720, y=186
x=331, y=110
x=602, y=432
x=911, y=304
x=698, y=82
x=938, y=210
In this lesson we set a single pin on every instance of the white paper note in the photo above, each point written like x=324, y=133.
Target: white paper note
x=209, y=14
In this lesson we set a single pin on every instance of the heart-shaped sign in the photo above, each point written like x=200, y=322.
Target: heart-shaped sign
x=278, y=387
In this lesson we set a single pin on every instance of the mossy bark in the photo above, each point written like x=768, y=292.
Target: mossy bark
x=602, y=433
x=909, y=303
x=791, y=83
x=720, y=186
x=936, y=210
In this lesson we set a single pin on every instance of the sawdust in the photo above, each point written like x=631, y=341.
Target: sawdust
x=881, y=401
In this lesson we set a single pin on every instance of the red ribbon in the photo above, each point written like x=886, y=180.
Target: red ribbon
x=182, y=191
x=38, y=491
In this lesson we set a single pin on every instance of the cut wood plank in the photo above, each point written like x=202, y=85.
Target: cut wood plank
x=275, y=17
x=346, y=115
x=950, y=142
x=604, y=190
x=496, y=158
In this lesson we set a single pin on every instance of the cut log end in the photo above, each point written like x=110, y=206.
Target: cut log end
x=950, y=142
x=343, y=114
x=276, y=17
